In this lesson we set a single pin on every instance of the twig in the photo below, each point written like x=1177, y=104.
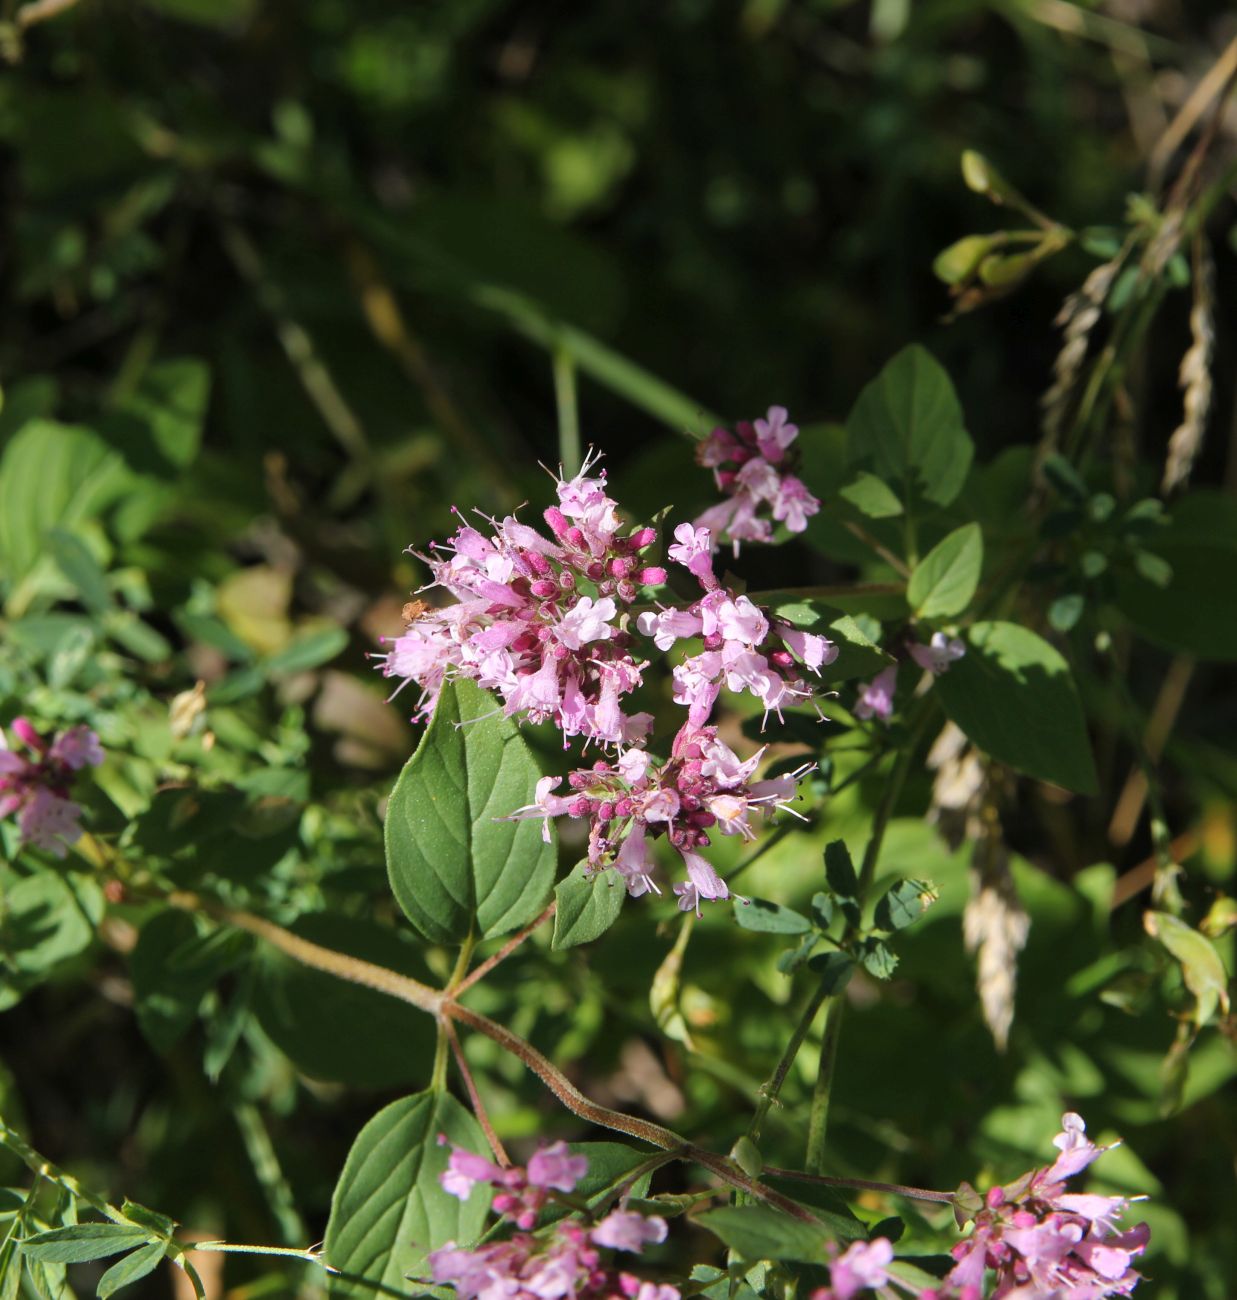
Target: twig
x=1163, y=716
x=863, y=1184
x=1189, y=113
x=504, y=952
x=339, y=964
x=478, y=1106
x=298, y=346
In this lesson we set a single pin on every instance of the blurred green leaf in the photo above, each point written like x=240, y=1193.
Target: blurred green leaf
x=769, y=918
x=81, y=1242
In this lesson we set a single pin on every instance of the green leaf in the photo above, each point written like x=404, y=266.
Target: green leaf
x=945, y=579
x=308, y=650
x=75, y=561
x=171, y=400
x=908, y=424
x=51, y=476
x=840, y=870
x=834, y=969
x=166, y=996
x=455, y=866
x=769, y=918
x=160, y=1224
x=83, y=1241
x=878, y=959
x=609, y=1165
x=130, y=1269
x=44, y=922
x=308, y=1013
x=871, y=496
x=1201, y=966
x=822, y=909
x=904, y=903
x=761, y=1232
x=587, y=906
x=1014, y=696
x=389, y=1209
x=1196, y=611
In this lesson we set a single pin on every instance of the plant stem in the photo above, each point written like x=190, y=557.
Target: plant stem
x=821, y=1094
x=261, y=1152
x=568, y=411
x=770, y=1091
x=478, y=1106
x=863, y=1184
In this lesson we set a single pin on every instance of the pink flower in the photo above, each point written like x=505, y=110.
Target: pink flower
x=626, y=1230
x=554, y=1166
x=77, y=748
x=747, y=467
x=811, y=650
x=586, y=621
x=863, y=1265
x=702, y=882
x=1044, y=1242
x=938, y=654
x=876, y=698
x=693, y=549
x=36, y=787
x=775, y=433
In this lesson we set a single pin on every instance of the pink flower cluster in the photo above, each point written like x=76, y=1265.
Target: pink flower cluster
x=1042, y=1242
x=540, y=621
x=1045, y=1242
x=742, y=646
x=36, y=788
x=747, y=465
x=548, y=626
x=565, y=1261
x=703, y=786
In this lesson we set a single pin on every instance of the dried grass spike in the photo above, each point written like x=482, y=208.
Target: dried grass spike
x=995, y=926
x=1194, y=375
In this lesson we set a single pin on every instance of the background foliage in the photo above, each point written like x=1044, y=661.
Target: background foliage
x=284, y=282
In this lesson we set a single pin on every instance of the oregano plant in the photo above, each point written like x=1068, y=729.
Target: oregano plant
x=673, y=844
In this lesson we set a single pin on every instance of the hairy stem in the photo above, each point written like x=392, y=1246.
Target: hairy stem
x=339, y=964
x=470, y=1086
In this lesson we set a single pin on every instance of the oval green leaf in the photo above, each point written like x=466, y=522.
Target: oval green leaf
x=945, y=579
x=769, y=918
x=587, y=906
x=1014, y=696
x=908, y=424
x=80, y=1242
x=389, y=1210
x=455, y=865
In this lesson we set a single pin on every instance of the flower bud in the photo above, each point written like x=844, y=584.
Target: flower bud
x=641, y=538
x=653, y=576
x=557, y=521
x=544, y=587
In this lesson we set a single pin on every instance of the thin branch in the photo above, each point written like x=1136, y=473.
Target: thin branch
x=504, y=952
x=1190, y=112
x=478, y=1106
x=862, y=1184
x=339, y=964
